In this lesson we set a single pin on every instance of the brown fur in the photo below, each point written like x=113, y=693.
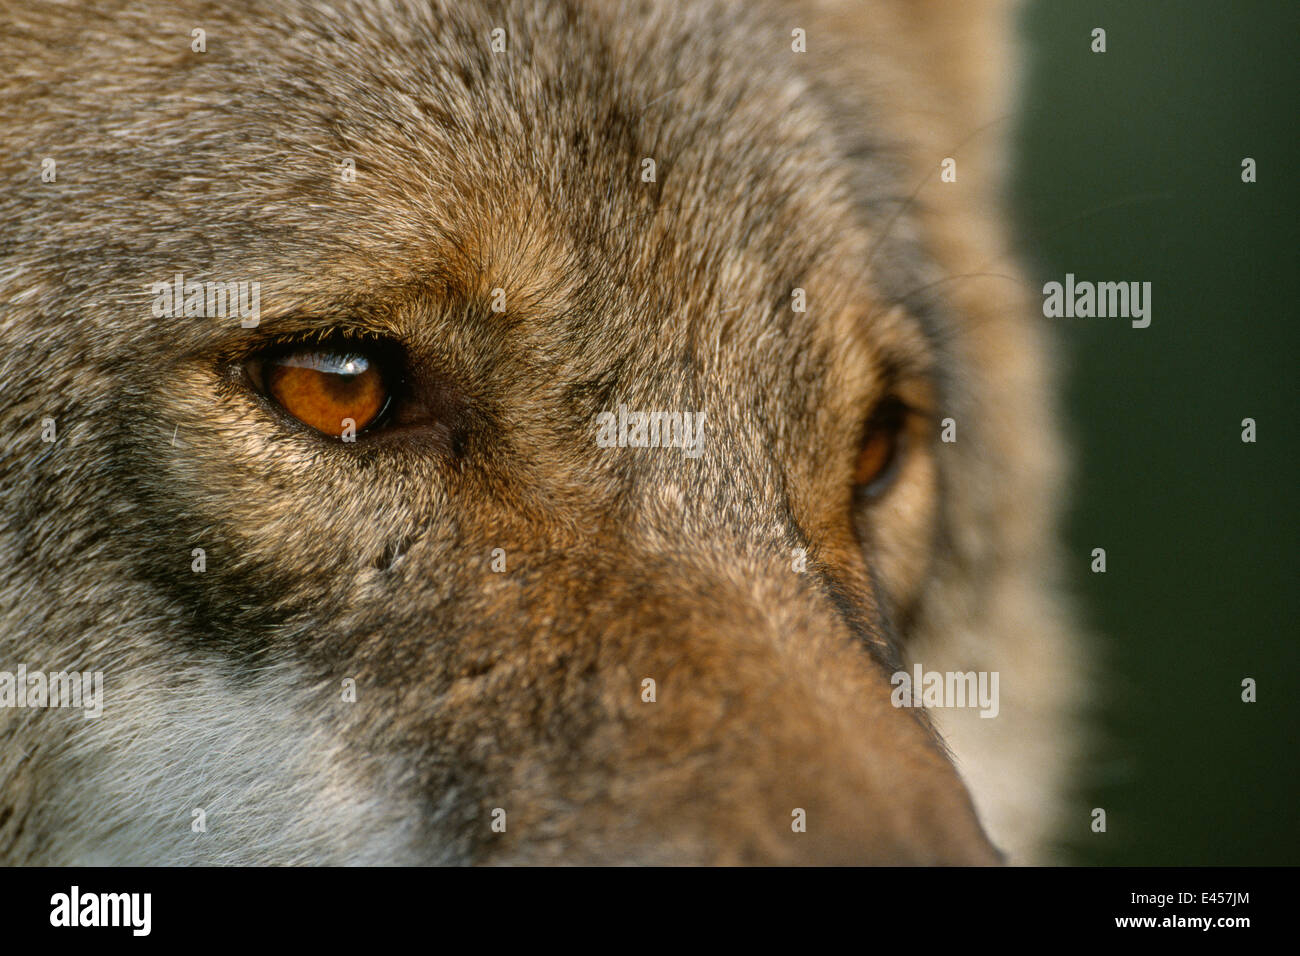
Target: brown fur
x=521, y=690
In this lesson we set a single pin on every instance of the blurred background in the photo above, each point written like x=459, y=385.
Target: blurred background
x=1129, y=168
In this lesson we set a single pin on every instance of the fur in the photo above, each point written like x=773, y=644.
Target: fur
x=521, y=691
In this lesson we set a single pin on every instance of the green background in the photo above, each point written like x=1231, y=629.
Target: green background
x=1129, y=168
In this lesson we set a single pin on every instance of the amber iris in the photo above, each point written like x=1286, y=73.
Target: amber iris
x=875, y=458
x=327, y=390
x=882, y=449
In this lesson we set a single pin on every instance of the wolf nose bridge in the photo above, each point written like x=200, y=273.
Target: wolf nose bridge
x=746, y=725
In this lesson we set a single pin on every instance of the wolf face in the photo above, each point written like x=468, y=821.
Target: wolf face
x=624, y=403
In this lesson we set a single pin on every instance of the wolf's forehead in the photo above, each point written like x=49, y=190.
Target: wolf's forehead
x=626, y=139
x=671, y=167
x=699, y=183
x=661, y=168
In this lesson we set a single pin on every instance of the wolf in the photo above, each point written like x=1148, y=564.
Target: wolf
x=362, y=584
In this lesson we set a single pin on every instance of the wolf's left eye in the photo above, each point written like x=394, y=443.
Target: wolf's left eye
x=326, y=389
x=884, y=445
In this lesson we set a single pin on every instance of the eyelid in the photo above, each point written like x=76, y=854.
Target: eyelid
x=320, y=351
x=892, y=412
x=338, y=362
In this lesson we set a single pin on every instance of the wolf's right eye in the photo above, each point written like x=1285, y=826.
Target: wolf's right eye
x=328, y=390
x=883, y=447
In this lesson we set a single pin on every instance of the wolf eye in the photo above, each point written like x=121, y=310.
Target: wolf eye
x=883, y=449
x=326, y=389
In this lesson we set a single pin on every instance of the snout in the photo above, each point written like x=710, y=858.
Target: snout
x=716, y=727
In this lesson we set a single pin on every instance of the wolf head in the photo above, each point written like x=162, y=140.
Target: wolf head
x=703, y=418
